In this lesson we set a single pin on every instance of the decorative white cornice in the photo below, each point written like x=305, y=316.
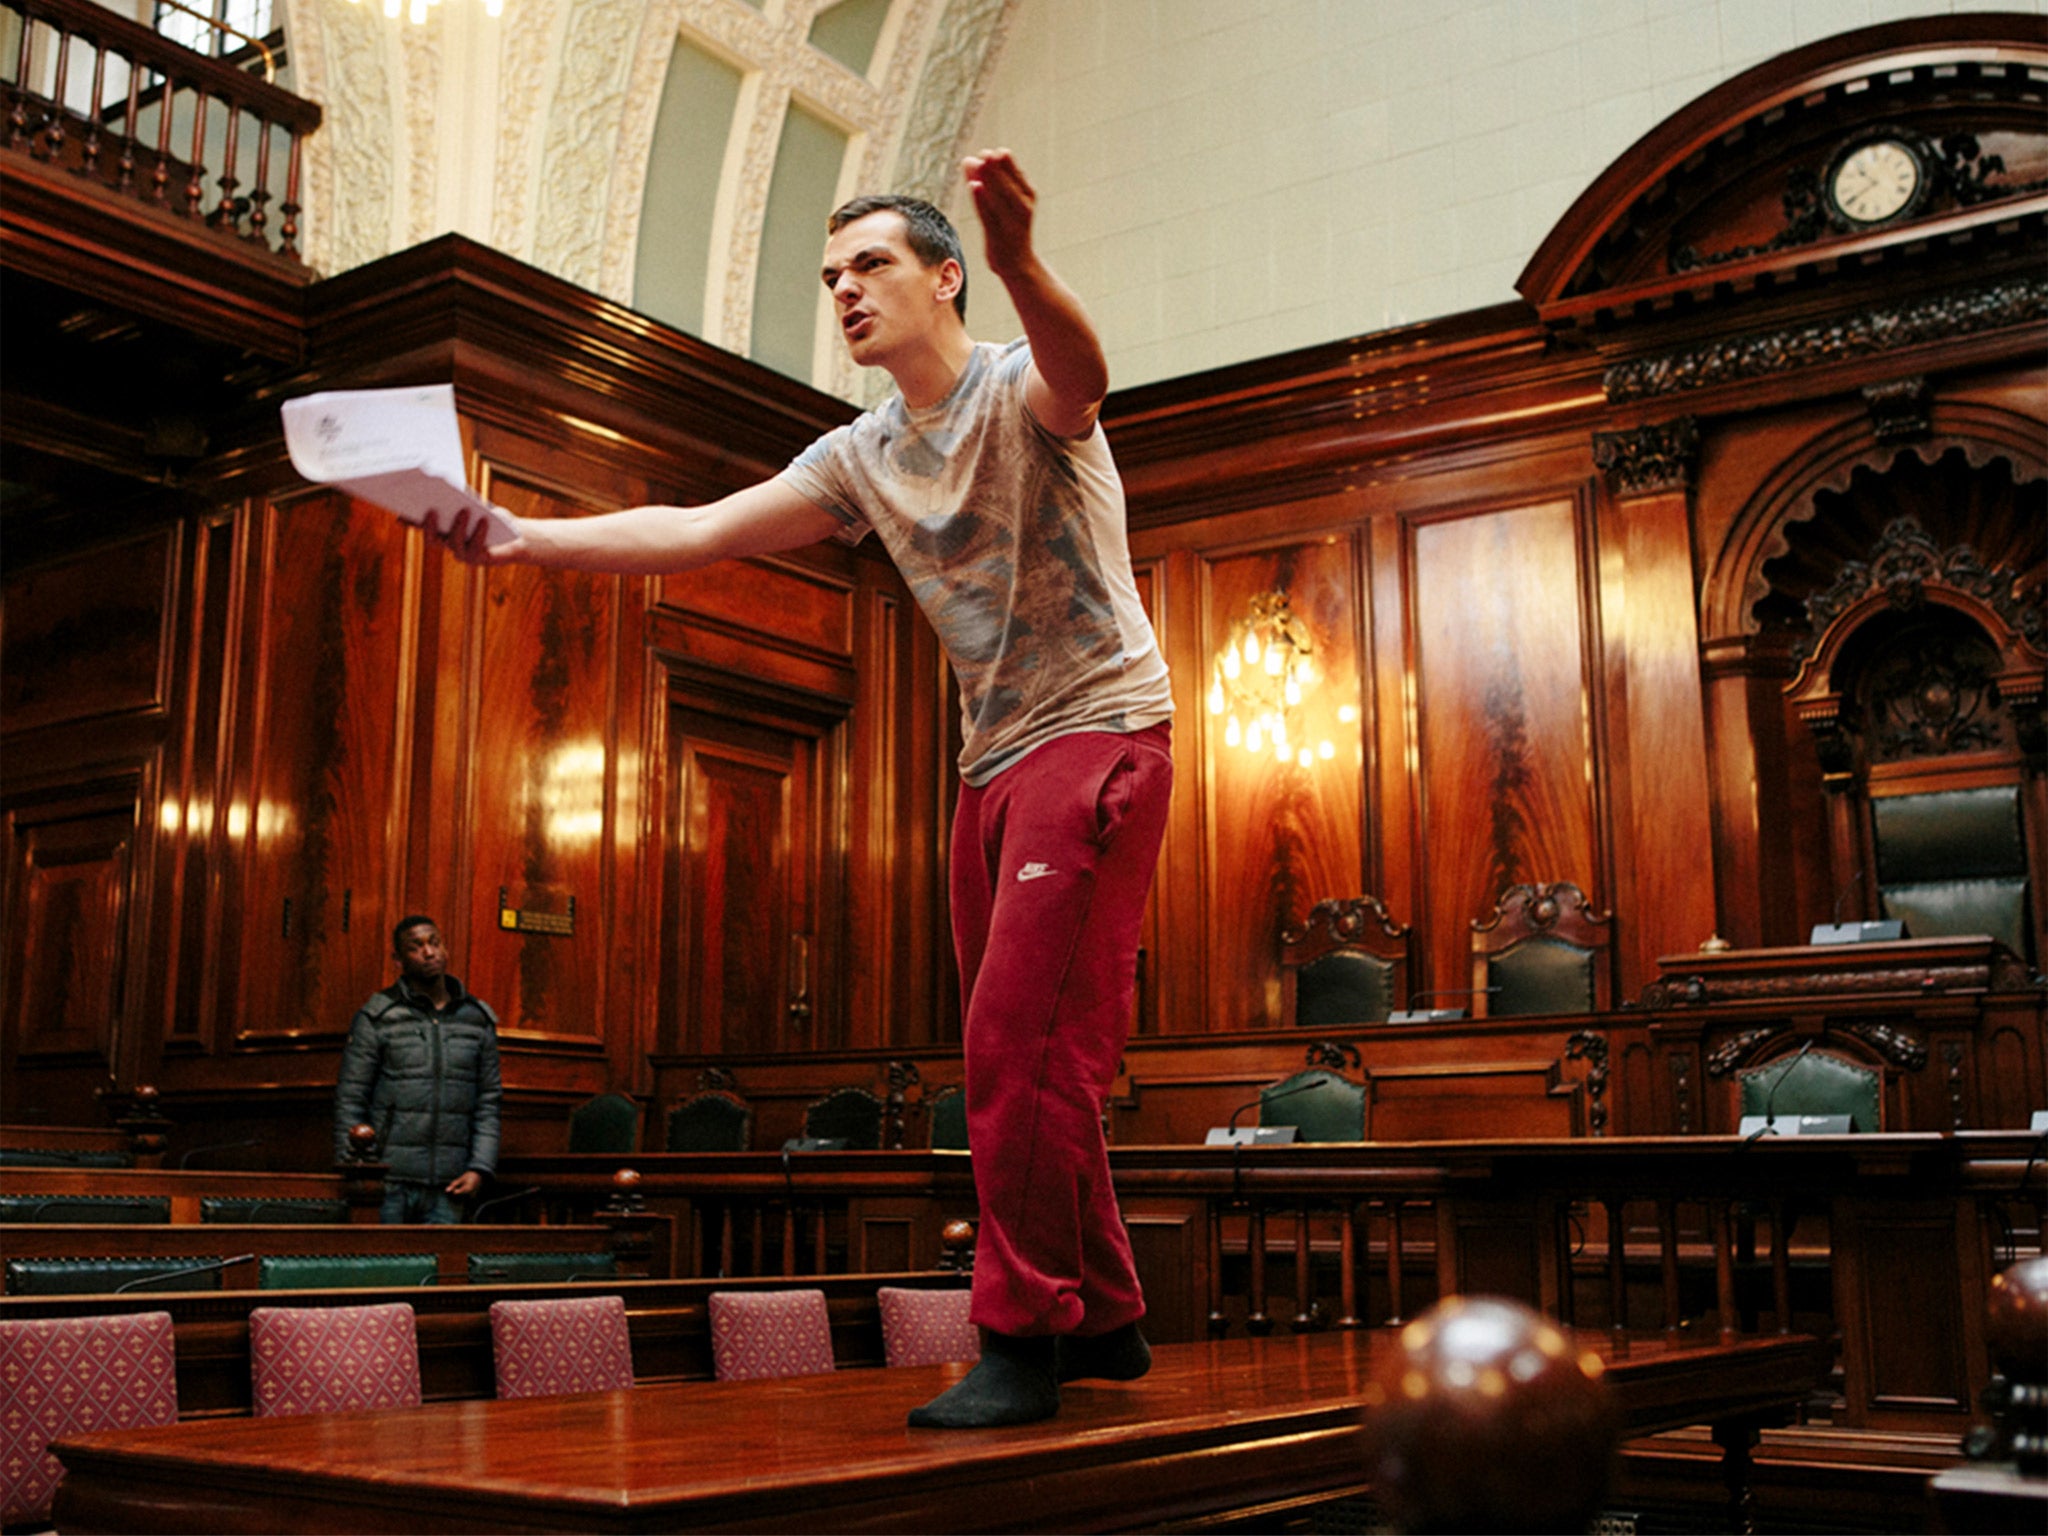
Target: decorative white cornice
x=420, y=57
x=341, y=59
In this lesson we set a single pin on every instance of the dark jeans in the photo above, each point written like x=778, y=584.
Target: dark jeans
x=428, y=1203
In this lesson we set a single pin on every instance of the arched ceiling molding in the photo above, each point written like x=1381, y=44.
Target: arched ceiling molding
x=1562, y=279
x=1736, y=582
x=936, y=78
x=343, y=58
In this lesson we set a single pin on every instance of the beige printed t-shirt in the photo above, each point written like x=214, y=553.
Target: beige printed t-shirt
x=1012, y=540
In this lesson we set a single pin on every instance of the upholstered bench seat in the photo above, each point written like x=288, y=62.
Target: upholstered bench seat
x=97, y=1276
x=325, y=1271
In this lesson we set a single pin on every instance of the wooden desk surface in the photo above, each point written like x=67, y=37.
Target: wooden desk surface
x=1224, y=1425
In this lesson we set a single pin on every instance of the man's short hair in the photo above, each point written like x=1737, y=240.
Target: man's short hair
x=931, y=234
x=405, y=925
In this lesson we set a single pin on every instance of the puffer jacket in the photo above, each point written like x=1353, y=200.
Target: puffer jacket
x=427, y=1081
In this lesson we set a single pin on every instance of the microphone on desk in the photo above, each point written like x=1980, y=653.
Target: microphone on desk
x=1414, y=1015
x=518, y=1194
x=210, y=1267
x=1230, y=1133
x=1770, y=1125
x=218, y=1146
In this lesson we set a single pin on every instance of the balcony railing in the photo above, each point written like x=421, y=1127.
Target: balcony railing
x=148, y=121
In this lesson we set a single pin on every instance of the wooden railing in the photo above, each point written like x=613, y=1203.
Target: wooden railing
x=135, y=116
x=1888, y=1241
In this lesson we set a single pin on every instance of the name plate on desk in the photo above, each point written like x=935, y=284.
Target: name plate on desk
x=1886, y=932
x=1795, y=1125
x=1425, y=1015
x=1249, y=1136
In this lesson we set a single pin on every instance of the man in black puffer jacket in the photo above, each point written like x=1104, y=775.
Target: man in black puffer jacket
x=422, y=1067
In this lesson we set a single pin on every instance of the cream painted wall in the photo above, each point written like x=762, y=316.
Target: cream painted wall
x=1228, y=179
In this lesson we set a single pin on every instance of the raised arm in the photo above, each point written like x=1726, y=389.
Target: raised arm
x=759, y=520
x=1069, y=375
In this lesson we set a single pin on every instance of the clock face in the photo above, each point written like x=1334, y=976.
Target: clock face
x=1875, y=182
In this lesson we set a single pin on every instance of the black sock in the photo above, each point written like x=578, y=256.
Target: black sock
x=1012, y=1383
x=1119, y=1355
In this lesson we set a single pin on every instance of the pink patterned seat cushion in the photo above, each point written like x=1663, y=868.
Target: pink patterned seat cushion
x=71, y=1375
x=333, y=1359
x=927, y=1327
x=577, y=1344
x=770, y=1333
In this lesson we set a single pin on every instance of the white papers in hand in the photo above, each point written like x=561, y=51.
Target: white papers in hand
x=397, y=448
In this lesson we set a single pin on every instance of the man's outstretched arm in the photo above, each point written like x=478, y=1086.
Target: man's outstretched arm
x=759, y=520
x=1069, y=374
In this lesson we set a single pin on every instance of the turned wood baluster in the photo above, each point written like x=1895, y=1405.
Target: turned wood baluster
x=1781, y=1265
x=757, y=1263
x=125, y=181
x=1219, y=1320
x=90, y=149
x=49, y=144
x=17, y=114
x=195, y=181
x=728, y=1254
x=1347, y=1269
x=1719, y=1217
x=1394, y=1264
x=1304, y=1319
x=259, y=194
x=1256, y=1322
x=1617, y=1264
x=818, y=1238
x=288, y=232
x=1667, y=1243
x=789, y=1239
x=224, y=213
x=160, y=174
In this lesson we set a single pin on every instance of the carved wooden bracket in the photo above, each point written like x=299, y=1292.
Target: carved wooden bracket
x=1650, y=460
x=1591, y=1045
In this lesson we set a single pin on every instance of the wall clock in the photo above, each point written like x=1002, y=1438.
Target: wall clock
x=1876, y=180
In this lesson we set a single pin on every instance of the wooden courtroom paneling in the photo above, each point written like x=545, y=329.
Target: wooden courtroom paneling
x=87, y=637
x=316, y=813
x=1508, y=785
x=69, y=881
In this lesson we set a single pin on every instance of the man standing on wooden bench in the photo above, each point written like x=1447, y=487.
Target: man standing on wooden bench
x=991, y=485
x=422, y=1067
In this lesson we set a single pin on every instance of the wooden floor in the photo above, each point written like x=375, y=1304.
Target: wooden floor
x=1234, y=1425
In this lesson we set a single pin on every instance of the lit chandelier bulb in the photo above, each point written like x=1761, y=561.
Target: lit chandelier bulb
x=1216, y=697
x=1292, y=693
x=1305, y=759
x=1275, y=662
x=1325, y=750
x=1255, y=739
x=1251, y=648
x=1230, y=664
x=1233, y=733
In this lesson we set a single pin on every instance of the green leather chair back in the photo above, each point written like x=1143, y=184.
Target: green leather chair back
x=89, y=1210
x=947, y=1111
x=1541, y=975
x=289, y=1210
x=84, y=1277
x=851, y=1115
x=608, y=1123
x=1816, y=1083
x=56, y=1157
x=323, y=1271
x=1954, y=862
x=1333, y=1112
x=492, y=1268
x=1343, y=987
x=711, y=1122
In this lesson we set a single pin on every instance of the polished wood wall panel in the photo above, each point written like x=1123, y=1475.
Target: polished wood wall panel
x=87, y=637
x=1508, y=770
x=1281, y=835
x=69, y=883
x=539, y=800
x=316, y=815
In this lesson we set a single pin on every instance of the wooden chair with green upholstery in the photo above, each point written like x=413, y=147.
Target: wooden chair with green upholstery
x=1805, y=1081
x=1320, y=1102
x=610, y=1122
x=1347, y=963
x=1542, y=950
x=1954, y=862
x=946, y=1116
x=714, y=1119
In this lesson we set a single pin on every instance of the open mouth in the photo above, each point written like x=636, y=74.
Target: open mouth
x=856, y=325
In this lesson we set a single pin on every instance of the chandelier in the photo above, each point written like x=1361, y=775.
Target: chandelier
x=1258, y=680
x=416, y=10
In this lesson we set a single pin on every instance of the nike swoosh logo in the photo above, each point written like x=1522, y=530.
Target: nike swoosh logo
x=1034, y=871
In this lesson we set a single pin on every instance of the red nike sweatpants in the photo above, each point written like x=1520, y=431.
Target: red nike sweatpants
x=1052, y=860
